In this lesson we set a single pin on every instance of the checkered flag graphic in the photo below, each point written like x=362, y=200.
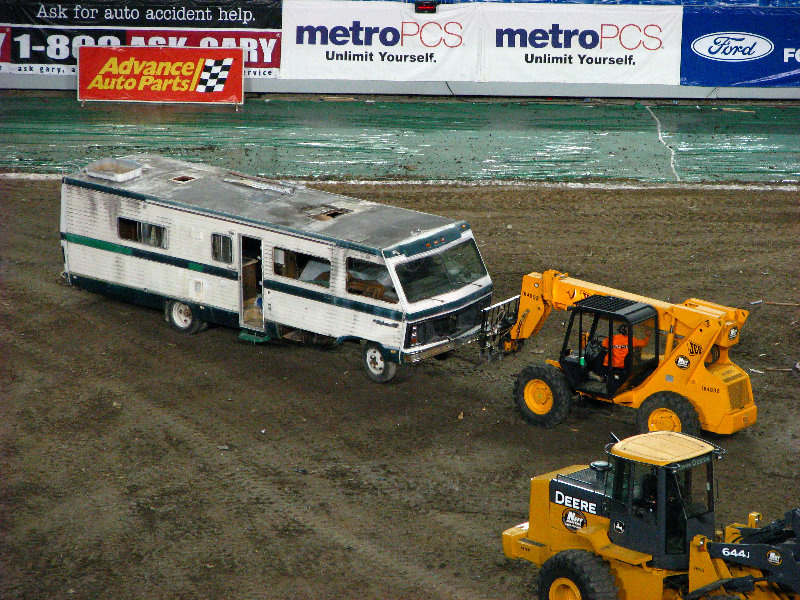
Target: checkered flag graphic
x=214, y=75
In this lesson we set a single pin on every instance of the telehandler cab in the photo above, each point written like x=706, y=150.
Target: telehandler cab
x=640, y=526
x=669, y=361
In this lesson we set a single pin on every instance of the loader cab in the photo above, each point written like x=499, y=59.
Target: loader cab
x=660, y=490
x=611, y=345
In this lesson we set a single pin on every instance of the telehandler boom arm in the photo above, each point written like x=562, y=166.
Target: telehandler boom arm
x=543, y=292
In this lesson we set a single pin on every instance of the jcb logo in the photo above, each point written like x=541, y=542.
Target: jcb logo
x=695, y=349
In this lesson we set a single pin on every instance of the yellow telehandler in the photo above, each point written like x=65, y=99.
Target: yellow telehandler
x=640, y=526
x=669, y=361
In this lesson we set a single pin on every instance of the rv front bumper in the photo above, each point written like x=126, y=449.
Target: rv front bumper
x=411, y=355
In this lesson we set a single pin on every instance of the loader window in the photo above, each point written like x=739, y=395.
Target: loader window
x=303, y=267
x=692, y=489
x=645, y=491
x=618, y=482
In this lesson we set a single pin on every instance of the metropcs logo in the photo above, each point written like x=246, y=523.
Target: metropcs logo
x=732, y=46
x=431, y=34
x=627, y=37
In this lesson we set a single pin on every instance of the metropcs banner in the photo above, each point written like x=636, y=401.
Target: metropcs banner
x=379, y=41
x=487, y=42
x=153, y=74
x=581, y=43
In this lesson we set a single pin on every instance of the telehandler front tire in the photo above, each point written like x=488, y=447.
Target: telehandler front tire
x=668, y=411
x=542, y=395
x=576, y=575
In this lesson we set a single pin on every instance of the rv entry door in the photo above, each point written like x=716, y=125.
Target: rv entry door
x=250, y=277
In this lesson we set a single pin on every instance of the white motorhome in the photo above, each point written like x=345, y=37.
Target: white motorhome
x=273, y=259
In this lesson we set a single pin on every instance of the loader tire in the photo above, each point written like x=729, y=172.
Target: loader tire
x=668, y=411
x=542, y=395
x=576, y=575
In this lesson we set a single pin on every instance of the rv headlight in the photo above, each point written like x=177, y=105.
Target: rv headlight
x=413, y=337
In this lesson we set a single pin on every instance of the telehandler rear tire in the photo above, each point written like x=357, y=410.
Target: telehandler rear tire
x=668, y=411
x=542, y=395
x=576, y=575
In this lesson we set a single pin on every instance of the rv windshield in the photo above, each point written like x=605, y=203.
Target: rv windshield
x=443, y=272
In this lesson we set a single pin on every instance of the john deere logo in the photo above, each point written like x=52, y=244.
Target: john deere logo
x=682, y=362
x=573, y=519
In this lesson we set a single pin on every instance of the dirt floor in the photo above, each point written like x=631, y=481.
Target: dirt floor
x=139, y=463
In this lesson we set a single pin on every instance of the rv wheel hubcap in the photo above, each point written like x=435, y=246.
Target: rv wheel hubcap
x=663, y=419
x=538, y=396
x=375, y=360
x=181, y=314
x=563, y=589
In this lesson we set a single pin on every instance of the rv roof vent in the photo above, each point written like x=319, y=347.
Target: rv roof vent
x=114, y=169
x=326, y=213
x=260, y=184
x=183, y=179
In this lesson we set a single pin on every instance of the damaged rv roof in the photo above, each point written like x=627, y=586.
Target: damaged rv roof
x=247, y=198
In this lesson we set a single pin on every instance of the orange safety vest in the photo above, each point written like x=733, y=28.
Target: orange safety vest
x=619, y=349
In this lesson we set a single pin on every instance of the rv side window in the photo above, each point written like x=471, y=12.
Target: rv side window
x=144, y=233
x=365, y=278
x=303, y=267
x=221, y=248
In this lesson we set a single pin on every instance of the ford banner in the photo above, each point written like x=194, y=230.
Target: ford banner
x=747, y=47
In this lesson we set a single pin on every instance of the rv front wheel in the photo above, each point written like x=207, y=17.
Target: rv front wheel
x=181, y=317
x=378, y=368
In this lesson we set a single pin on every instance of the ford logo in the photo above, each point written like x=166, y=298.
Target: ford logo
x=732, y=46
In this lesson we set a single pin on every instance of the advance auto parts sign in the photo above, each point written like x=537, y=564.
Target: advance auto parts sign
x=582, y=43
x=207, y=75
x=379, y=41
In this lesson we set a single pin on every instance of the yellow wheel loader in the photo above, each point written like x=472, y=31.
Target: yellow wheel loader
x=640, y=526
x=669, y=361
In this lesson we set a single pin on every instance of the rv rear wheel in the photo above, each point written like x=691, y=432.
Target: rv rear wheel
x=181, y=317
x=378, y=368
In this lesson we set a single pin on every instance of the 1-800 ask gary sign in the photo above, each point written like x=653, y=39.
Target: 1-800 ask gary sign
x=151, y=74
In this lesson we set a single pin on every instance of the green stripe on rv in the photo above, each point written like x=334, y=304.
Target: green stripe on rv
x=151, y=256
